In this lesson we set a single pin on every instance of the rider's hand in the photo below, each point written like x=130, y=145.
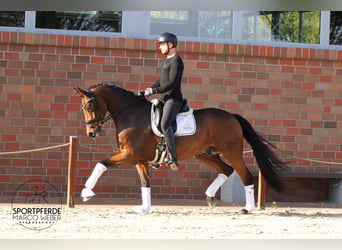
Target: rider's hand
x=148, y=91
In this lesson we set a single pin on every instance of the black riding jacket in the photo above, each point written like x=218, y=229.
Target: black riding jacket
x=170, y=77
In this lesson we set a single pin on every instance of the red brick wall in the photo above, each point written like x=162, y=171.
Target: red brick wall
x=292, y=95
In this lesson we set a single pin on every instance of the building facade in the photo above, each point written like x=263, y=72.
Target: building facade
x=288, y=86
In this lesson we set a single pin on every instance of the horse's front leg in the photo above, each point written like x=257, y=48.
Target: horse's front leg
x=116, y=160
x=87, y=192
x=142, y=168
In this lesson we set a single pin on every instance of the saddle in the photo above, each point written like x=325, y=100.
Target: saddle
x=185, y=124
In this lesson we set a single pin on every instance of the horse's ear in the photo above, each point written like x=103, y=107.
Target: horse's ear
x=81, y=92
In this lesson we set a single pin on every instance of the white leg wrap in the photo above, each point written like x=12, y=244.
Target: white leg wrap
x=95, y=175
x=250, y=201
x=90, y=183
x=146, y=201
x=215, y=185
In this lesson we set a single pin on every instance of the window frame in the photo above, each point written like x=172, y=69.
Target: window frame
x=136, y=24
x=30, y=27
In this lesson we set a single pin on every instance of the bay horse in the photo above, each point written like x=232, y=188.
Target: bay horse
x=218, y=133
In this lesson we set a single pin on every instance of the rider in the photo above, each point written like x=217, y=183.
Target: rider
x=169, y=86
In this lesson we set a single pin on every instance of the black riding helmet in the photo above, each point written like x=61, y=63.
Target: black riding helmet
x=168, y=37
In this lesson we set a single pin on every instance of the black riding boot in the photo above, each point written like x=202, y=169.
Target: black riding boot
x=171, y=148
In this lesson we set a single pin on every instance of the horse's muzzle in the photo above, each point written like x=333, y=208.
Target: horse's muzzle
x=96, y=131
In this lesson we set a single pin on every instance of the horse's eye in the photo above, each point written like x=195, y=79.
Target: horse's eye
x=89, y=109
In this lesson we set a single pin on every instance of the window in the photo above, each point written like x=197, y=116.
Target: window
x=105, y=21
x=182, y=23
x=210, y=26
x=12, y=18
x=215, y=24
x=170, y=16
x=203, y=24
x=282, y=26
x=335, y=28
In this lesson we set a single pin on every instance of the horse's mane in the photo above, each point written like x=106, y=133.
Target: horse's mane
x=123, y=92
x=97, y=85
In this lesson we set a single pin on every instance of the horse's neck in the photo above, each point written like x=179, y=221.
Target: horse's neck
x=126, y=111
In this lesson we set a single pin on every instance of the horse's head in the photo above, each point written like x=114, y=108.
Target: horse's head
x=94, y=111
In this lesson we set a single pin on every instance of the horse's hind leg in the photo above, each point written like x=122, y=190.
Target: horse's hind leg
x=246, y=178
x=224, y=170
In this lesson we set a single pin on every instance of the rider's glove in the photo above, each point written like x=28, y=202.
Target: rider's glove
x=148, y=91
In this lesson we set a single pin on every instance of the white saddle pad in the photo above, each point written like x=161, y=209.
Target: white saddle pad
x=186, y=124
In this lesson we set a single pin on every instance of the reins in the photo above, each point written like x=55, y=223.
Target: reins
x=107, y=118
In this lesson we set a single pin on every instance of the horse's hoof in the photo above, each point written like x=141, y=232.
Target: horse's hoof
x=244, y=211
x=211, y=201
x=85, y=199
x=140, y=210
x=87, y=194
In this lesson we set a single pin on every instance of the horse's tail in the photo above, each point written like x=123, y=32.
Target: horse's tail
x=268, y=162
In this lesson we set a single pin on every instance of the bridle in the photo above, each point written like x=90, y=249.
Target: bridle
x=100, y=122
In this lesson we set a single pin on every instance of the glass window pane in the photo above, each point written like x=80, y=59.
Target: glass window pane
x=249, y=26
x=206, y=24
x=335, y=28
x=300, y=26
x=284, y=26
x=169, y=16
x=12, y=18
x=182, y=23
x=105, y=21
x=215, y=24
